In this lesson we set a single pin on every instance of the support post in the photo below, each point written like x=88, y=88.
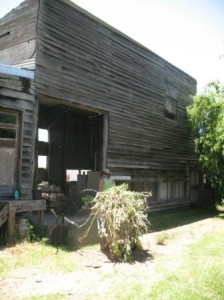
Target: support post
x=11, y=225
x=105, y=140
x=40, y=217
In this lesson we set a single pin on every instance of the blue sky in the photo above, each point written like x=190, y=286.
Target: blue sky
x=187, y=33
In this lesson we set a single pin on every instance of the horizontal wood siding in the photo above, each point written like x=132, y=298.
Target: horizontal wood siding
x=83, y=61
x=18, y=34
x=18, y=94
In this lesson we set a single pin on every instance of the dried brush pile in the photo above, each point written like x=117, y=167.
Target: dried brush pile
x=122, y=219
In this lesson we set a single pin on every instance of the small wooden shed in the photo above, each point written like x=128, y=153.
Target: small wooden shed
x=18, y=122
x=95, y=99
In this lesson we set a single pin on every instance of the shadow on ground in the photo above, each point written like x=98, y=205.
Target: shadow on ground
x=169, y=219
x=142, y=255
x=71, y=237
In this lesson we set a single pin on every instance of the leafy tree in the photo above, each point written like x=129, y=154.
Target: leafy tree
x=206, y=115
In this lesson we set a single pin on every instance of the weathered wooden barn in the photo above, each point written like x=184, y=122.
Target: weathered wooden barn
x=96, y=99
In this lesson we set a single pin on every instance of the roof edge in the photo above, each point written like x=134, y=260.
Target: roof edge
x=4, y=69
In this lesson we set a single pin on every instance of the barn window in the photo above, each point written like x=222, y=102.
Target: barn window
x=6, y=118
x=172, y=190
x=43, y=140
x=170, y=110
x=180, y=190
x=42, y=161
x=7, y=133
x=72, y=175
x=43, y=135
x=165, y=190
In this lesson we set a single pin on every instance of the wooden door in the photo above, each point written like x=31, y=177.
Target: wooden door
x=9, y=132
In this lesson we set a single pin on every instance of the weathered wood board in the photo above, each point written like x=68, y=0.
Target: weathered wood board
x=81, y=61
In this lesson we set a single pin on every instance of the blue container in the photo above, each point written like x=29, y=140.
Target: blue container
x=16, y=195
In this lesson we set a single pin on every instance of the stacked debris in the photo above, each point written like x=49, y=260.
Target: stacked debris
x=53, y=195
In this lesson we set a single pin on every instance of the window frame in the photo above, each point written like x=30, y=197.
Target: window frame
x=171, y=96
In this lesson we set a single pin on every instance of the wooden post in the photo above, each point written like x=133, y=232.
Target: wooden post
x=40, y=216
x=105, y=140
x=188, y=182
x=11, y=225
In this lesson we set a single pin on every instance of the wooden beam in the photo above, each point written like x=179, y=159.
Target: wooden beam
x=27, y=205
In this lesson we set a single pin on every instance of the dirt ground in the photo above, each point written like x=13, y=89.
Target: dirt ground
x=98, y=277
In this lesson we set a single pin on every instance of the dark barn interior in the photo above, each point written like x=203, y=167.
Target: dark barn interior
x=69, y=146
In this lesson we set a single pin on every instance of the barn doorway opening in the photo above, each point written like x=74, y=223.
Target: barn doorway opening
x=69, y=154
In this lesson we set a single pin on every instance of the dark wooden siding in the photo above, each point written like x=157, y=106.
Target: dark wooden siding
x=18, y=94
x=81, y=60
x=18, y=35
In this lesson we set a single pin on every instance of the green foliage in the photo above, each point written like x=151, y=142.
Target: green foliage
x=87, y=201
x=122, y=219
x=37, y=233
x=34, y=233
x=207, y=119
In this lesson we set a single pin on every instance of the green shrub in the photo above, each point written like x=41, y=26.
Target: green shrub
x=86, y=201
x=162, y=238
x=37, y=232
x=34, y=233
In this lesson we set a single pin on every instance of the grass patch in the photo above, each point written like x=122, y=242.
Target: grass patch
x=35, y=255
x=136, y=292
x=47, y=297
x=162, y=238
x=196, y=273
x=200, y=276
